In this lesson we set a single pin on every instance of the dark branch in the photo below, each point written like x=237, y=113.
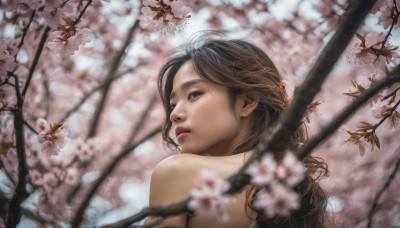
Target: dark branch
x=114, y=67
x=26, y=30
x=384, y=188
x=389, y=80
x=77, y=219
x=20, y=193
x=36, y=58
x=164, y=212
x=279, y=134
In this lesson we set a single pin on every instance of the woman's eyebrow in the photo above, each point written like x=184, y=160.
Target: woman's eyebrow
x=186, y=85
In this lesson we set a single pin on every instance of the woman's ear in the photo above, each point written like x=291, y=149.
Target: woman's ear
x=246, y=103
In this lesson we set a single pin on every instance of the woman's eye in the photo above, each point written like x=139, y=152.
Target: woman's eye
x=172, y=106
x=194, y=95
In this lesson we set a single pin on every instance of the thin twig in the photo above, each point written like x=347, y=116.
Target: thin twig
x=47, y=94
x=30, y=127
x=25, y=31
x=7, y=173
x=386, y=116
x=394, y=21
x=114, y=67
x=34, y=216
x=279, y=134
x=391, y=94
x=36, y=58
x=82, y=12
x=141, y=122
x=77, y=219
x=384, y=188
x=389, y=80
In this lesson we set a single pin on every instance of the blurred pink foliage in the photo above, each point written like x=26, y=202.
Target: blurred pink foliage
x=84, y=62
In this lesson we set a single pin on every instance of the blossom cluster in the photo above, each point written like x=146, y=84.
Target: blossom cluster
x=52, y=136
x=277, y=179
x=164, y=15
x=368, y=49
x=209, y=199
x=67, y=39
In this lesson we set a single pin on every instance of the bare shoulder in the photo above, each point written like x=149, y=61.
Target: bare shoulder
x=170, y=183
x=171, y=179
x=175, y=175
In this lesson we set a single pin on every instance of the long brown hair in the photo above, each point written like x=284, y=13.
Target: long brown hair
x=243, y=67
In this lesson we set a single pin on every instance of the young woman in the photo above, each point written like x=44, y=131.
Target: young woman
x=220, y=96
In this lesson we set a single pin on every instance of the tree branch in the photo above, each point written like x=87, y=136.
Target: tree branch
x=279, y=134
x=77, y=219
x=387, y=81
x=140, y=123
x=20, y=193
x=36, y=59
x=116, y=63
x=164, y=212
x=88, y=95
x=384, y=188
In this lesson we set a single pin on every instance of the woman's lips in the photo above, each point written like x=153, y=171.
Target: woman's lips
x=181, y=135
x=181, y=132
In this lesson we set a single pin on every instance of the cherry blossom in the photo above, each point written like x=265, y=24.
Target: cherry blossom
x=290, y=170
x=8, y=97
x=210, y=179
x=262, y=173
x=52, y=136
x=36, y=177
x=72, y=176
x=279, y=201
x=357, y=141
x=6, y=58
x=49, y=182
x=209, y=200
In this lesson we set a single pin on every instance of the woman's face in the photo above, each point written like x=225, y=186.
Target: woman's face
x=202, y=119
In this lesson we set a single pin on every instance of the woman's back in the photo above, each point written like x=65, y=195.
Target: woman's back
x=173, y=178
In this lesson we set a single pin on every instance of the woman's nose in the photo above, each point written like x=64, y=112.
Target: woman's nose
x=177, y=114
